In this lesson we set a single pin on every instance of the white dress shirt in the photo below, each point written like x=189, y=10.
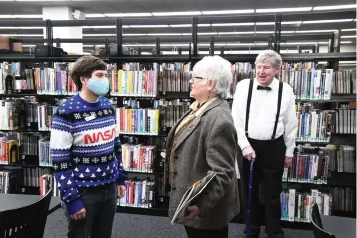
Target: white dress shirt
x=262, y=115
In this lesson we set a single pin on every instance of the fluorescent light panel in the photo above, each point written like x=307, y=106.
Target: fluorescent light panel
x=21, y=28
x=234, y=24
x=334, y=7
x=94, y=15
x=228, y=12
x=23, y=35
x=283, y=23
x=352, y=29
x=188, y=13
x=315, y=31
x=348, y=37
x=189, y=25
x=293, y=9
x=21, y=16
x=147, y=26
x=139, y=14
x=328, y=21
x=164, y=34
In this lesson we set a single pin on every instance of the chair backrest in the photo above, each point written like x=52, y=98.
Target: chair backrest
x=28, y=221
x=317, y=224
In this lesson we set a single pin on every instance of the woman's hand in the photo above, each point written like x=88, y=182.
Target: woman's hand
x=192, y=212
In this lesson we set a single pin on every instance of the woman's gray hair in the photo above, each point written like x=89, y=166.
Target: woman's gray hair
x=270, y=57
x=218, y=69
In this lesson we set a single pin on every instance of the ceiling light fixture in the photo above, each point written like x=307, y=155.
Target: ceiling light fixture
x=164, y=34
x=99, y=27
x=94, y=15
x=236, y=33
x=328, y=21
x=351, y=29
x=234, y=24
x=223, y=12
x=348, y=37
x=140, y=14
x=181, y=25
x=148, y=26
x=315, y=31
x=99, y=34
x=293, y=9
x=205, y=33
x=135, y=34
x=139, y=45
x=273, y=23
x=21, y=28
x=21, y=16
x=335, y=7
x=23, y=35
x=188, y=13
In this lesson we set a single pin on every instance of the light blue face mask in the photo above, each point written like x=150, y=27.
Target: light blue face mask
x=99, y=86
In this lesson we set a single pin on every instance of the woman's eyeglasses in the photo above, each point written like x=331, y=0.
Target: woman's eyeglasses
x=195, y=79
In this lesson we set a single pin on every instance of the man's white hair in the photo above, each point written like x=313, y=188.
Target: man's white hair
x=270, y=57
x=218, y=69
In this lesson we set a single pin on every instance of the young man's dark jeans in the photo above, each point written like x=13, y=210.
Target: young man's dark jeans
x=100, y=204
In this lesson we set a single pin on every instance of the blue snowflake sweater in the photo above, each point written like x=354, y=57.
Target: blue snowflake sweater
x=85, y=148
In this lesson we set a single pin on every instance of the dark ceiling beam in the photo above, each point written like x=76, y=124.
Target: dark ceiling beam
x=184, y=39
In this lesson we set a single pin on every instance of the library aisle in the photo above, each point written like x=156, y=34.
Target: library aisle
x=133, y=226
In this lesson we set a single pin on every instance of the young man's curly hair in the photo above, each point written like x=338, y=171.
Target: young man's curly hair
x=84, y=67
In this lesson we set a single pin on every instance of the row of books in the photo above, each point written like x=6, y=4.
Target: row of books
x=308, y=168
x=139, y=193
x=44, y=155
x=140, y=82
x=135, y=79
x=345, y=120
x=314, y=125
x=240, y=70
x=174, y=77
x=344, y=199
x=32, y=176
x=48, y=181
x=138, y=158
x=296, y=206
x=308, y=82
x=342, y=157
x=9, y=149
x=20, y=113
x=172, y=111
x=137, y=121
x=344, y=82
x=5, y=181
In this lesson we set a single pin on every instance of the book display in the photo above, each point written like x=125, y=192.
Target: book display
x=150, y=93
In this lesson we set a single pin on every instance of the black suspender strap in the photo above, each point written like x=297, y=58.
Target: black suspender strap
x=248, y=105
x=278, y=109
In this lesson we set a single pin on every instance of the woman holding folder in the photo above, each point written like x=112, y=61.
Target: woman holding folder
x=204, y=140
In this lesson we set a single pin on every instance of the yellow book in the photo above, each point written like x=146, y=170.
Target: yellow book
x=120, y=78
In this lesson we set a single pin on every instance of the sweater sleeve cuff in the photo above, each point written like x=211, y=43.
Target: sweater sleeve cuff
x=74, y=206
x=121, y=181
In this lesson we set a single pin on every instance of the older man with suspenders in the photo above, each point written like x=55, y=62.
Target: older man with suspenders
x=264, y=116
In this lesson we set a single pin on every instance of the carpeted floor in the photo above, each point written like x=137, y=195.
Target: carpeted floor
x=137, y=226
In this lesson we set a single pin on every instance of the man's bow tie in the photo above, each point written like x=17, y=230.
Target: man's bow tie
x=263, y=88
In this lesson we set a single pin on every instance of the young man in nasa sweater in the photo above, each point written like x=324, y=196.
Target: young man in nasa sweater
x=86, y=153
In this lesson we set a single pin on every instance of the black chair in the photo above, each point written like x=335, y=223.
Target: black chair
x=26, y=221
x=317, y=224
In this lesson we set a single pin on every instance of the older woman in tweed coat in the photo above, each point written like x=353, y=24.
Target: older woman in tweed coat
x=204, y=140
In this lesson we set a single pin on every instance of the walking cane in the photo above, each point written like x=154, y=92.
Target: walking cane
x=247, y=235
